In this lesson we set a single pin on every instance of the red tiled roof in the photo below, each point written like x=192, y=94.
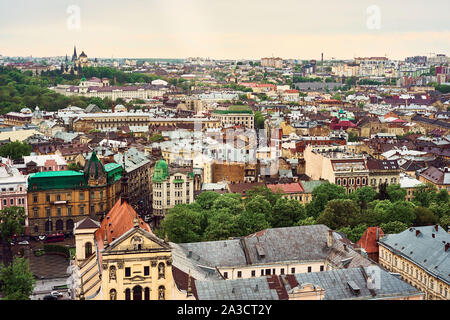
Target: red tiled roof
x=286, y=187
x=369, y=239
x=121, y=219
x=181, y=280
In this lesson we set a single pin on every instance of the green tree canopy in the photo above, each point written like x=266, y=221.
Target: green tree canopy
x=424, y=217
x=393, y=227
x=395, y=193
x=287, y=212
x=340, y=213
x=12, y=223
x=181, y=224
x=15, y=150
x=321, y=195
x=16, y=280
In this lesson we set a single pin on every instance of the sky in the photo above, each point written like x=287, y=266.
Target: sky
x=225, y=29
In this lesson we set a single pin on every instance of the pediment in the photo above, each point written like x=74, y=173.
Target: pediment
x=137, y=239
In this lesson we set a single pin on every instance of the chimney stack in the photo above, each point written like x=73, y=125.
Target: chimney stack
x=436, y=227
x=417, y=233
x=330, y=238
x=447, y=246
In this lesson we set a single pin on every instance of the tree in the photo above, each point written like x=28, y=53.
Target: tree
x=444, y=222
x=15, y=150
x=340, y=213
x=393, y=227
x=403, y=211
x=251, y=222
x=287, y=212
x=230, y=201
x=395, y=193
x=206, y=199
x=16, y=280
x=424, y=195
x=424, y=217
x=321, y=195
x=259, y=205
x=264, y=192
x=182, y=224
x=363, y=196
x=157, y=137
x=12, y=223
x=355, y=233
x=221, y=225
x=259, y=120
x=306, y=222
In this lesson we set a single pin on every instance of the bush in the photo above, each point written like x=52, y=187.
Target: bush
x=54, y=248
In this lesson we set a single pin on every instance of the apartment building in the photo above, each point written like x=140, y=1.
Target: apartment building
x=421, y=255
x=229, y=118
x=336, y=165
x=171, y=186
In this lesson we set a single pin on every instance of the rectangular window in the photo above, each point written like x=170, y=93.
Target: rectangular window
x=253, y=273
x=309, y=269
x=267, y=272
x=239, y=274
x=81, y=195
x=282, y=271
x=262, y=272
x=58, y=211
x=225, y=275
x=321, y=268
x=35, y=198
x=58, y=197
x=127, y=272
x=81, y=209
x=146, y=271
x=48, y=211
x=292, y=270
x=69, y=211
x=47, y=198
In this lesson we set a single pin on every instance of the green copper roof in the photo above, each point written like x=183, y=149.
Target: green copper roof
x=94, y=167
x=56, y=180
x=161, y=171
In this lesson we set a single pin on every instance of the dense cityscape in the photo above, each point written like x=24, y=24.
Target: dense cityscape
x=199, y=178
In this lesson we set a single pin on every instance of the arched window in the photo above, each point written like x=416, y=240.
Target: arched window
x=161, y=270
x=127, y=294
x=137, y=293
x=59, y=225
x=87, y=250
x=161, y=293
x=112, y=294
x=48, y=226
x=147, y=294
x=69, y=225
x=338, y=182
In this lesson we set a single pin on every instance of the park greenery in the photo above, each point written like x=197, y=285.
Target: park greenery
x=16, y=280
x=217, y=217
x=12, y=223
x=15, y=150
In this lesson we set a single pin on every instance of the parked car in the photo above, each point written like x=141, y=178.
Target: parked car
x=50, y=297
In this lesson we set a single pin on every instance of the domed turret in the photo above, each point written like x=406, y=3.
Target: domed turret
x=161, y=171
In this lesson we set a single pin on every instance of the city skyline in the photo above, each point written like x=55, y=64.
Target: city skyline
x=177, y=29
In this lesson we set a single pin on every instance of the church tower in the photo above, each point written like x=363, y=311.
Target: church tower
x=74, y=57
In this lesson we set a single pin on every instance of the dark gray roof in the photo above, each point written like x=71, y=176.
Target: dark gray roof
x=422, y=249
x=216, y=253
x=336, y=288
x=305, y=243
x=242, y=289
x=295, y=244
x=334, y=282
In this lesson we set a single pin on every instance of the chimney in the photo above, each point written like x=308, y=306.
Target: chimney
x=433, y=236
x=417, y=233
x=330, y=238
x=436, y=227
x=447, y=246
